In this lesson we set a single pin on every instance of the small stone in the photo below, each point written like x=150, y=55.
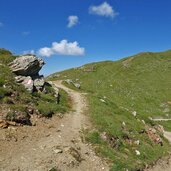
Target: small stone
x=137, y=142
x=58, y=150
x=123, y=123
x=137, y=152
x=102, y=100
x=134, y=113
x=150, y=118
x=143, y=122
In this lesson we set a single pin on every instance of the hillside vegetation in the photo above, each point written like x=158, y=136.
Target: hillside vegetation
x=123, y=97
x=17, y=105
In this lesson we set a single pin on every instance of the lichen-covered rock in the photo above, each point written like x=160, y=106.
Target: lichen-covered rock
x=27, y=65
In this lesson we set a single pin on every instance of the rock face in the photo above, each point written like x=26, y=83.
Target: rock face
x=27, y=65
x=27, y=69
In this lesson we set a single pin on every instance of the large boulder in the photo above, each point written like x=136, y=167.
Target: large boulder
x=27, y=69
x=27, y=65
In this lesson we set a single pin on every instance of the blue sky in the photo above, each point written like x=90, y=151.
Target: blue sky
x=103, y=30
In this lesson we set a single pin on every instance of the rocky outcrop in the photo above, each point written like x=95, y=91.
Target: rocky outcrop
x=27, y=65
x=27, y=69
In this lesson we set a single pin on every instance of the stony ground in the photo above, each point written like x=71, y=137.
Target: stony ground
x=52, y=143
x=165, y=163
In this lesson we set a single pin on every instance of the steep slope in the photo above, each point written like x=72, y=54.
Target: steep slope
x=123, y=97
x=17, y=105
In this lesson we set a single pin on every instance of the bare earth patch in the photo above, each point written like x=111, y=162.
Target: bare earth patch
x=52, y=143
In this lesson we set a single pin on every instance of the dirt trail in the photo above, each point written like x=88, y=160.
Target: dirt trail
x=53, y=143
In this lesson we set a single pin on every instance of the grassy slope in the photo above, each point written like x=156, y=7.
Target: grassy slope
x=139, y=83
x=15, y=101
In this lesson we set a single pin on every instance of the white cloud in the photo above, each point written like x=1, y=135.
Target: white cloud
x=62, y=48
x=103, y=9
x=1, y=24
x=46, y=52
x=29, y=52
x=72, y=21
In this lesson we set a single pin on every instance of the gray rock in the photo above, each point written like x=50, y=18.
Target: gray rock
x=28, y=84
x=31, y=83
x=26, y=68
x=57, y=151
x=77, y=85
x=20, y=79
x=69, y=81
x=39, y=82
x=26, y=81
x=27, y=65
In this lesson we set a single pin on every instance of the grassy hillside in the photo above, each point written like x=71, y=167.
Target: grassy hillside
x=16, y=104
x=122, y=96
